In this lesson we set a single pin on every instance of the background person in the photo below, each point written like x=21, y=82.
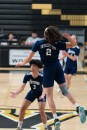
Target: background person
x=32, y=39
x=71, y=62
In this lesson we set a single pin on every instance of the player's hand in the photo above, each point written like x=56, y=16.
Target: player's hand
x=13, y=94
x=64, y=53
x=66, y=35
x=41, y=97
x=19, y=64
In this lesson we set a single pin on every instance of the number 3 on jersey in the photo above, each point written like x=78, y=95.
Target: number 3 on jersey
x=48, y=52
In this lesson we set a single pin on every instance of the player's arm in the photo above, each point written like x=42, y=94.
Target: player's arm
x=73, y=58
x=14, y=94
x=26, y=60
x=71, y=43
x=43, y=94
x=62, y=57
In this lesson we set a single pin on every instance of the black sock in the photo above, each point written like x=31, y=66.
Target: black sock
x=77, y=110
x=56, y=120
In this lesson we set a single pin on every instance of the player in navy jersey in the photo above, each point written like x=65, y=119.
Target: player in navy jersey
x=48, y=49
x=35, y=79
x=71, y=62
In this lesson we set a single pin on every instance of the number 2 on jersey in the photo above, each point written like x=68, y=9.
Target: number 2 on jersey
x=48, y=52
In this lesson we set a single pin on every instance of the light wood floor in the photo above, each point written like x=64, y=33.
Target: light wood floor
x=11, y=81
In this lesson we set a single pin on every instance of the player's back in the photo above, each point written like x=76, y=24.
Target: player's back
x=48, y=52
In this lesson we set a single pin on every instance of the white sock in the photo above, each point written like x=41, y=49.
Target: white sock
x=20, y=123
x=45, y=125
x=55, y=116
x=76, y=105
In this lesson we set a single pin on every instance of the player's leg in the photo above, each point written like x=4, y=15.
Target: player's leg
x=24, y=107
x=41, y=106
x=61, y=62
x=68, y=78
x=48, y=82
x=26, y=103
x=66, y=73
x=49, y=93
x=80, y=110
x=69, y=73
x=60, y=79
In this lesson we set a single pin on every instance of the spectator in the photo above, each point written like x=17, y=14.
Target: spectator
x=31, y=40
x=22, y=40
x=11, y=39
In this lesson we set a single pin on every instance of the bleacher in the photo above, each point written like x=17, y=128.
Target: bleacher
x=15, y=16
x=71, y=13
x=23, y=16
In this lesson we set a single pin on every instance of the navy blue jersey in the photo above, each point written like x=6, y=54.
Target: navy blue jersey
x=72, y=51
x=35, y=83
x=48, y=52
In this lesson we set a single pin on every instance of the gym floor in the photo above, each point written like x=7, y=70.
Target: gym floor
x=10, y=80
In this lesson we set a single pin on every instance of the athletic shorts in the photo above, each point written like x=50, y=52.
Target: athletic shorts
x=70, y=70
x=53, y=72
x=31, y=96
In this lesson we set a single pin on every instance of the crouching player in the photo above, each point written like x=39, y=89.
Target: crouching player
x=35, y=79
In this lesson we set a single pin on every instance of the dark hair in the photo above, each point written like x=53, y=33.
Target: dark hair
x=36, y=62
x=52, y=34
x=34, y=31
x=11, y=33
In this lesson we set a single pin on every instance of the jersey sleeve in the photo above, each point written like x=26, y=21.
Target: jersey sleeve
x=25, y=79
x=35, y=47
x=61, y=45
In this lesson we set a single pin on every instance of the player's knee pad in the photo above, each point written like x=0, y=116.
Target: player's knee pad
x=64, y=89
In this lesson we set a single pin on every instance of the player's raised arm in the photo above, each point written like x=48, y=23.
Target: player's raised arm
x=72, y=42
x=27, y=60
x=73, y=58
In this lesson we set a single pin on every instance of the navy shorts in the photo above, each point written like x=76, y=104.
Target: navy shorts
x=70, y=70
x=31, y=96
x=53, y=72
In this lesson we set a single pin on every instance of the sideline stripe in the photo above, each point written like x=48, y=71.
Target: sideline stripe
x=14, y=129
x=46, y=110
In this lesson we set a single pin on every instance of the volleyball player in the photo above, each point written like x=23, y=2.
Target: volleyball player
x=71, y=62
x=35, y=79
